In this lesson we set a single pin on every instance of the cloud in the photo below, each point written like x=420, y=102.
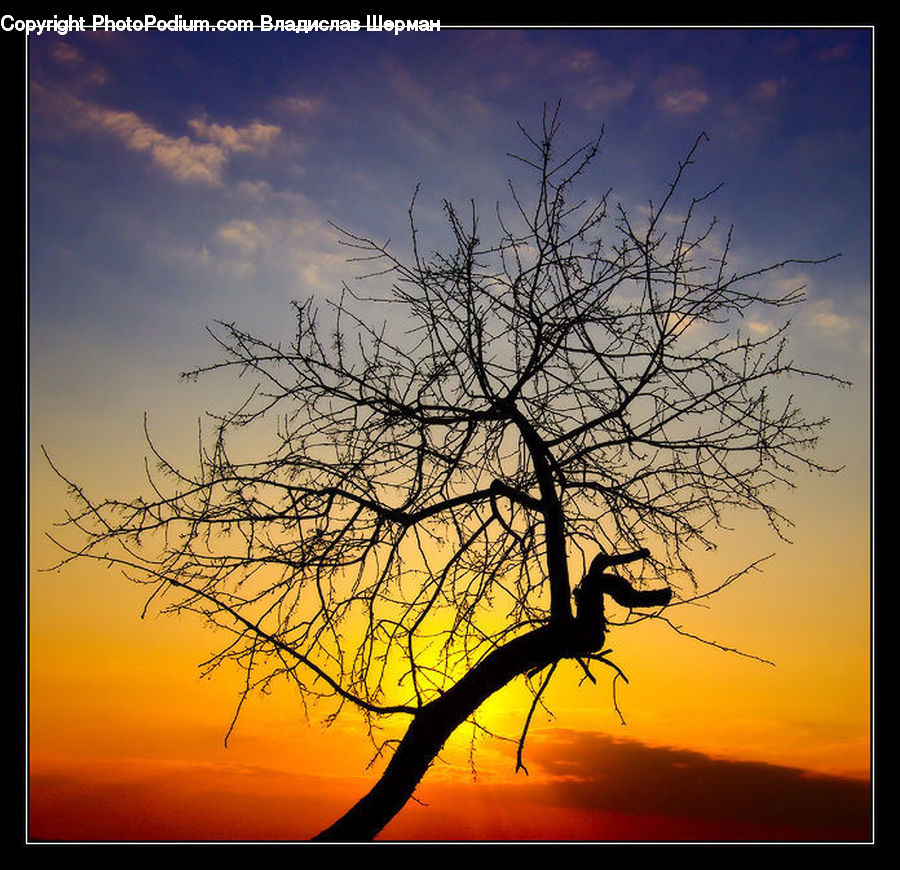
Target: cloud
x=182, y=157
x=681, y=90
x=759, y=327
x=578, y=61
x=67, y=54
x=599, y=91
x=823, y=316
x=179, y=156
x=258, y=190
x=591, y=79
x=242, y=234
x=754, y=113
x=684, y=101
x=834, y=52
x=254, y=138
x=429, y=113
x=296, y=105
x=766, y=91
x=295, y=252
x=596, y=771
x=80, y=74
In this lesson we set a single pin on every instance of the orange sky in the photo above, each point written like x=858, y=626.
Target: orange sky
x=127, y=743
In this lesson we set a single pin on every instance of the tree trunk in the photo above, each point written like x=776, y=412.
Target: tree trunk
x=437, y=720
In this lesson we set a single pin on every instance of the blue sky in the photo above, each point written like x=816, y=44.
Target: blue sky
x=180, y=178
x=341, y=127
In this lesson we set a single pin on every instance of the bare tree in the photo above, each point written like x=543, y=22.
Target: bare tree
x=579, y=391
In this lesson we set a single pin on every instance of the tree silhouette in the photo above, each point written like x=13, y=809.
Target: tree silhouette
x=579, y=390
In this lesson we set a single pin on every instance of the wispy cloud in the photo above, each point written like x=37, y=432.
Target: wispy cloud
x=67, y=54
x=834, y=52
x=683, y=101
x=296, y=252
x=194, y=160
x=297, y=105
x=766, y=91
x=594, y=83
x=429, y=112
x=754, y=112
x=80, y=73
x=179, y=156
x=759, y=327
x=242, y=234
x=824, y=317
x=257, y=190
x=254, y=138
x=681, y=91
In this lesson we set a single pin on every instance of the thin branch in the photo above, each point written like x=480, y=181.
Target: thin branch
x=537, y=697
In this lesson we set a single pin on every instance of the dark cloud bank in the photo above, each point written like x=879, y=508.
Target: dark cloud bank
x=598, y=772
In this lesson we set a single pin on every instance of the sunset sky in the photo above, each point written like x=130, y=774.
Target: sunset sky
x=178, y=179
